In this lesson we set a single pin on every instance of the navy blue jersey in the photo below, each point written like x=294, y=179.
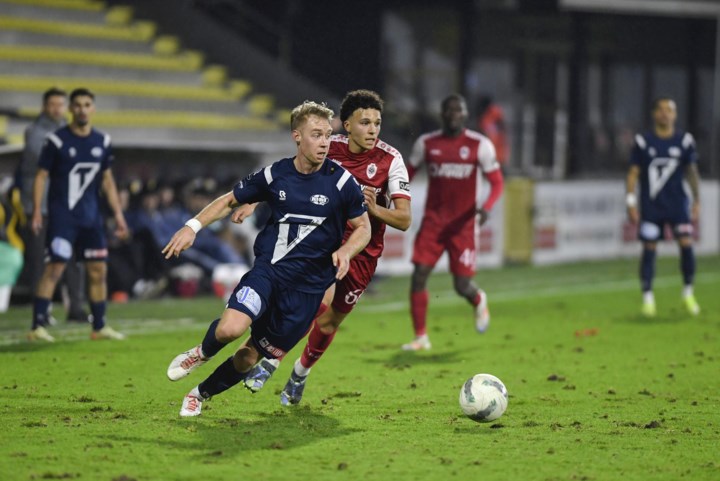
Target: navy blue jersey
x=307, y=223
x=662, y=165
x=76, y=165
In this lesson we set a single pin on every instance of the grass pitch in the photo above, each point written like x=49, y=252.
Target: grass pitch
x=596, y=391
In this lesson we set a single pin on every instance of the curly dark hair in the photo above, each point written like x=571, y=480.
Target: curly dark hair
x=359, y=99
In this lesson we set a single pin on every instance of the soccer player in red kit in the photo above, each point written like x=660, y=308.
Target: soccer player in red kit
x=453, y=157
x=381, y=172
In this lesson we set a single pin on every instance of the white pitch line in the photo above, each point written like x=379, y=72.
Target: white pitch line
x=445, y=298
x=128, y=326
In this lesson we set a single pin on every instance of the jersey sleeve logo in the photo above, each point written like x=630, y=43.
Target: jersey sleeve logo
x=659, y=172
x=292, y=230
x=79, y=179
x=371, y=171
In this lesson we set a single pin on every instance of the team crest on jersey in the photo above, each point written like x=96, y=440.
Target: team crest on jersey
x=652, y=151
x=72, y=152
x=319, y=199
x=674, y=151
x=371, y=171
x=464, y=152
x=96, y=152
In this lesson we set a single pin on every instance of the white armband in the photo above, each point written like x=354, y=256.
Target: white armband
x=194, y=224
x=631, y=200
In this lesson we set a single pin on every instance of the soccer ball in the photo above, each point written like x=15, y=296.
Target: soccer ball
x=483, y=398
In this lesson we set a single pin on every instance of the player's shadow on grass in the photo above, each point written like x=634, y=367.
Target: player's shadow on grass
x=281, y=430
x=405, y=359
x=672, y=317
x=29, y=347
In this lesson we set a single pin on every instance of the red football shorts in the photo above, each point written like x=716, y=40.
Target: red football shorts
x=433, y=239
x=351, y=287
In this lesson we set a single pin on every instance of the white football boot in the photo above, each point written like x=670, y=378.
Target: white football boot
x=420, y=343
x=482, y=313
x=185, y=363
x=192, y=404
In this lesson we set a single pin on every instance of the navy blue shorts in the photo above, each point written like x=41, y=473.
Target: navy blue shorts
x=64, y=239
x=651, y=229
x=280, y=316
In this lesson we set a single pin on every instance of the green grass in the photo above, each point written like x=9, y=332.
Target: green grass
x=638, y=400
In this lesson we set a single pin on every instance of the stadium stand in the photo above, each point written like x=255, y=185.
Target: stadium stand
x=150, y=90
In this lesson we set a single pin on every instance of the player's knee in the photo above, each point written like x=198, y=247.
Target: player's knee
x=685, y=241
x=329, y=325
x=228, y=331
x=649, y=246
x=97, y=273
x=54, y=273
x=244, y=358
x=419, y=278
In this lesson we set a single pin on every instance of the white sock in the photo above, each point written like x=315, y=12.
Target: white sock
x=301, y=370
x=687, y=290
x=648, y=297
x=274, y=362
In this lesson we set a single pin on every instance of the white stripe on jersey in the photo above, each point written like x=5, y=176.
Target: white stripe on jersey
x=106, y=141
x=268, y=175
x=487, y=158
x=640, y=140
x=344, y=178
x=417, y=156
x=688, y=140
x=55, y=140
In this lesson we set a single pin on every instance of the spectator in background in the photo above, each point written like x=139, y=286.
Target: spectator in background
x=72, y=284
x=135, y=263
x=491, y=123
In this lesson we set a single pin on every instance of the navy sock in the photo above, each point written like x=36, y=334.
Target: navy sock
x=210, y=344
x=40, y=312
x=687, y=264
x=224, y=377
x=647, y=269
x=97, y=309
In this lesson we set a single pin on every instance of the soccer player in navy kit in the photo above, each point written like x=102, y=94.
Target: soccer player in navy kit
x=299, y=254
x=76, y=159
x=662, y=160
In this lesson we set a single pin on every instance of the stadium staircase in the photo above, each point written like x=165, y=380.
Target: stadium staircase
x=150, y=91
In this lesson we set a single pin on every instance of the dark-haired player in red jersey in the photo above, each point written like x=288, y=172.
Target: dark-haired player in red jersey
x=453, y=157
x=381, y=172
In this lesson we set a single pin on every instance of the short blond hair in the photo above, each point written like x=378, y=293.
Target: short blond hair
x=300, y=114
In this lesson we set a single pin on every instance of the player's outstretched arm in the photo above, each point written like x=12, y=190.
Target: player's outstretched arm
x=631, y=197
x=110, y=188
x=353, y=245
x=215, y=210
x=37, y=196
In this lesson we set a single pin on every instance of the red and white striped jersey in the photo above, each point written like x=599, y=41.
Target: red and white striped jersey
x=452, y=166
x=381, y=168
